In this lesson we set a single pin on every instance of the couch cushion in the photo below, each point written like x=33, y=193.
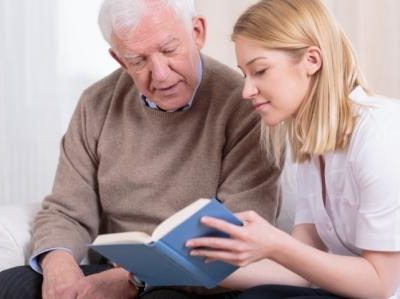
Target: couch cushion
x=15, y=233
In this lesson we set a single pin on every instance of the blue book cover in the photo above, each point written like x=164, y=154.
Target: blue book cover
x=162, y=259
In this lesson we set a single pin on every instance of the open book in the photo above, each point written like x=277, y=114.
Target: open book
x=162, y=259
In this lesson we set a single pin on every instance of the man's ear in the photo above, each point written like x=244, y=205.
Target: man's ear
x=199, y=27
x=115, y=56
x=313, y=60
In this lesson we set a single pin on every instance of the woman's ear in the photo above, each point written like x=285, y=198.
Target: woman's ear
x=313, y=60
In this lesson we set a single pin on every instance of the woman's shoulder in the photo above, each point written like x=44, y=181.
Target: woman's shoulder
x=374, y=105
x=377, y=121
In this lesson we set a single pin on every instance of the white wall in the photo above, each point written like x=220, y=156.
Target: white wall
x=28, y=105
x=51, y=49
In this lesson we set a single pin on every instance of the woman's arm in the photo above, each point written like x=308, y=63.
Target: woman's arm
x=373, y=275
x=269, y=272
x=260, y=273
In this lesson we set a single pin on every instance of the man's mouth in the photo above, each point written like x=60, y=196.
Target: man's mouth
x=166, y=88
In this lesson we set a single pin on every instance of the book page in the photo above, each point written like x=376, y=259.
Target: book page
x=168, y=224
x=123, y=238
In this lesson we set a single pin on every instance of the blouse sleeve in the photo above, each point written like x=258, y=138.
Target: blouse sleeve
x=376, y=169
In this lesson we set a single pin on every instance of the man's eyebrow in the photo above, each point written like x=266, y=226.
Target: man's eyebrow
x=255, y=59
x=130, y=56
x=169, y=41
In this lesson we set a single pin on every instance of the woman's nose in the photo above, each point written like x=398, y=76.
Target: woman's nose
x=249, y=89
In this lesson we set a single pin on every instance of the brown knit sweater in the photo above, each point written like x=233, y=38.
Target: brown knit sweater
x=126, y=167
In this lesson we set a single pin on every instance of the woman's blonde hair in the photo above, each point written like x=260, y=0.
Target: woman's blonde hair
x=324, y=120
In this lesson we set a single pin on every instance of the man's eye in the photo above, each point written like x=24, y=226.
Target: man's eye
x=169, y=51
x=139, y=62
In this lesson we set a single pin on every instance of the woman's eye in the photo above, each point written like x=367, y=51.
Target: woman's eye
x=260, y=72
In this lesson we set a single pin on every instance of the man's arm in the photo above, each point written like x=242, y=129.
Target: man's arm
x=60, y=274
x=63, y=278
x=34, y=260
x=70, y=215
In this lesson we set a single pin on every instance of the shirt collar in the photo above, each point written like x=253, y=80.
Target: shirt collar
x=357, y=94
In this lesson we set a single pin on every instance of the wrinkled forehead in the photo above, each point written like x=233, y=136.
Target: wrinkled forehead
x=154, y=27
x=154, y=17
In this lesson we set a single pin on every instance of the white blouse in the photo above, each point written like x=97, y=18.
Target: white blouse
x=362, y=184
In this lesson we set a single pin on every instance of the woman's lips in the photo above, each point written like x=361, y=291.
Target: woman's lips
x=259, y=106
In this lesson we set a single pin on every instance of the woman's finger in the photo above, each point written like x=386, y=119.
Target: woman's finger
x=212, y=255
x=222, y=225
x=213, y=243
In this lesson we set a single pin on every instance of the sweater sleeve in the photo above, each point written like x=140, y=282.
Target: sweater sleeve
x=70, y=215
x=248, y=179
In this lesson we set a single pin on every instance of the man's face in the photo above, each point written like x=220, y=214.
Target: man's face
x=161, y=54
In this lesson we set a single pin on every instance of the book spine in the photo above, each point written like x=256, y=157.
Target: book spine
x=198, y=275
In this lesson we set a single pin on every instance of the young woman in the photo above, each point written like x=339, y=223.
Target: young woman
x=302, y=77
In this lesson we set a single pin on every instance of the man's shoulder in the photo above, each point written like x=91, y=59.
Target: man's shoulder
x=113, y=84
x=98, y=97
x=220, y=71
x=221, y=81
x=223, y=86
x=110, y=92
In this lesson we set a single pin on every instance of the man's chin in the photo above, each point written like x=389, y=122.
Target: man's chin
x=171, y=103
x=173, y=107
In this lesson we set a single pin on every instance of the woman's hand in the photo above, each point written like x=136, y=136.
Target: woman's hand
x=255, y=240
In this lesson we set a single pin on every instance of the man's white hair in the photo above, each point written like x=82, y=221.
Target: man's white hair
x=123, y=15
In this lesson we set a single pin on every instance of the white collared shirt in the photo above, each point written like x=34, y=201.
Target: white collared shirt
x=362, y=184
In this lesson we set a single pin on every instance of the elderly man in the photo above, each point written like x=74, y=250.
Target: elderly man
x=166, y=128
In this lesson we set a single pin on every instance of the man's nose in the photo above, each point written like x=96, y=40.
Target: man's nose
x=160, y=68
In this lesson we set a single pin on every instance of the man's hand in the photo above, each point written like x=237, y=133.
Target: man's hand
x=110, y=284
x=61, y=273
x=63, y=279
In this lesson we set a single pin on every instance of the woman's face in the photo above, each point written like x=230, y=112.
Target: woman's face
x=275, y=82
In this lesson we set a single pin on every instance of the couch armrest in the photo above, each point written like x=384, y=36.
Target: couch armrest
x=15, y=233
